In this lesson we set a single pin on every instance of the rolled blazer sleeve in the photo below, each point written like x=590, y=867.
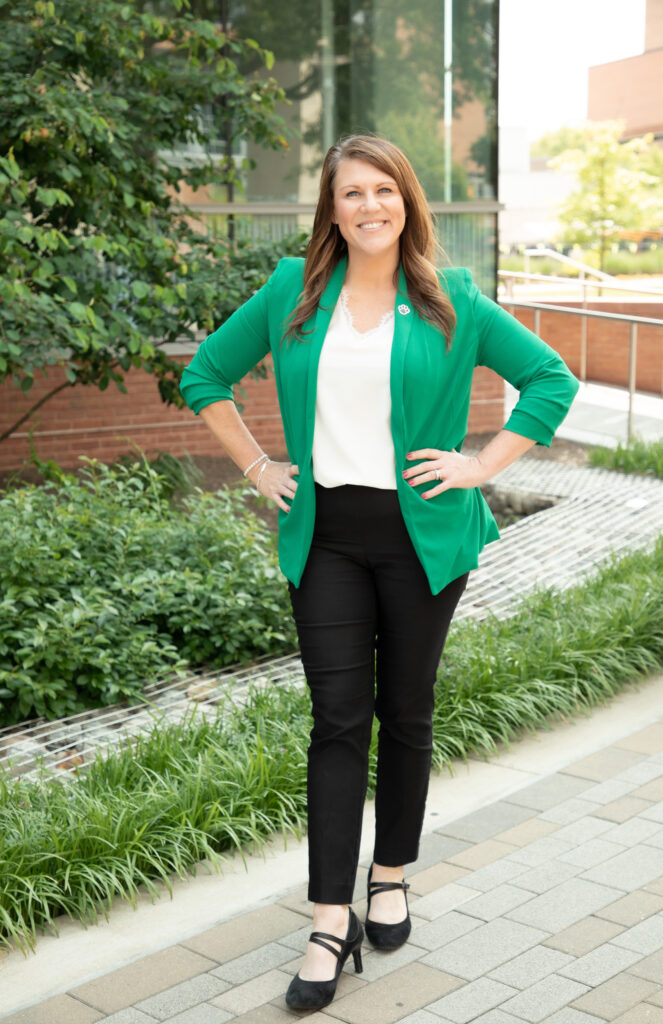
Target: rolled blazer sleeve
x=229, y=353
x=546, y=385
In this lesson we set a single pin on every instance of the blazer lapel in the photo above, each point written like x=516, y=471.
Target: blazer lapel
x=320, y=325
x=404, y=317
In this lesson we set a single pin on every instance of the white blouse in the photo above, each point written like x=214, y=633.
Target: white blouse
x=352, y=442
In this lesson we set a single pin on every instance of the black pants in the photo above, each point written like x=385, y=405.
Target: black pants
x=365, y=615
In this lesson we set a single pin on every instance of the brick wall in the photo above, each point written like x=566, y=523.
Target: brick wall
x=104, y=424
x=487, y=406
x=607, y=342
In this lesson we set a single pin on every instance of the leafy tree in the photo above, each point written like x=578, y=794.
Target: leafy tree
x=553, y=143
x=619, y=186
x=100, y=263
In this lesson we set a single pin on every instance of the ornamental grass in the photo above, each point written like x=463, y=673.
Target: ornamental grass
x=638, y=456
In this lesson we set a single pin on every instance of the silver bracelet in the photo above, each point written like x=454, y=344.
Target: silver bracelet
x=256, y=462
x=262, y=470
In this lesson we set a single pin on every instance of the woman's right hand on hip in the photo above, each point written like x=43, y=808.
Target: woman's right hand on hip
x=276, y=482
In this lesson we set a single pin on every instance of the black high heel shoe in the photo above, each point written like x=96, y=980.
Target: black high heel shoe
x=387, y=936
x=312, y=995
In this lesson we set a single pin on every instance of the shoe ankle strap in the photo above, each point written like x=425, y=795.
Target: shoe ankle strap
x=376, y=887
x=319, y=937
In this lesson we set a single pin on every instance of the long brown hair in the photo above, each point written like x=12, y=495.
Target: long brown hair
x=418, y=245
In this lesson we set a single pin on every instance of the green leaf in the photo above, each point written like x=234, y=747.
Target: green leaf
x=71, y=284
x=140, y=289
x=10, y=166
x=77, y=310
x=82, y=337
x=47, y=196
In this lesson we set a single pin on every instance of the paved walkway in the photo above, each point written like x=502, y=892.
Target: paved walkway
x=545, y=904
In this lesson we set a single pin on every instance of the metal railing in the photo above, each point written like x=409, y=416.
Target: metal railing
x=582, y=280
x=613, y=284
x=633, y=321
x=583, y=270
x=552, y=254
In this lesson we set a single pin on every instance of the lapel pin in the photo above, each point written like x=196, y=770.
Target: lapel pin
x=403, y=309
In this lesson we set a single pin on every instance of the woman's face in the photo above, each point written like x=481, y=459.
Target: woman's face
x=368, y=208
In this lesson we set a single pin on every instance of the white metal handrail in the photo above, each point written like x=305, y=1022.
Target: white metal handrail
x=552, y=254
x=633, y=321
x=614, y=284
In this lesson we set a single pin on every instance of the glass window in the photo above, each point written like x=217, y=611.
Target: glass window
x=421, y=73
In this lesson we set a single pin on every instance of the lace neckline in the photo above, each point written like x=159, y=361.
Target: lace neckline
x=384, y=319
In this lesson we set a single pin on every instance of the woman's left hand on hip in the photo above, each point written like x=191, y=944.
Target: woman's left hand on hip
x=444, y=470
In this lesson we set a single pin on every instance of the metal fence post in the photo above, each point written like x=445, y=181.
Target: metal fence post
x=632, y=361
x=583, y=336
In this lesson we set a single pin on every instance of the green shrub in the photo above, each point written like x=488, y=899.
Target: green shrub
x=625, y=263
x=107, y=587
x=178, y=475
x=638, y=456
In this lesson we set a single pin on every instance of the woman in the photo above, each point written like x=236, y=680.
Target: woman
x=381, y=517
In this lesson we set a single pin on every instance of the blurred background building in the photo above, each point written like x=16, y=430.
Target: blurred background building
x=561, y=71
x=632, y=89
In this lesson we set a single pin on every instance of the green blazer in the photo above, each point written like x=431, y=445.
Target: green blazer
x=430, y=400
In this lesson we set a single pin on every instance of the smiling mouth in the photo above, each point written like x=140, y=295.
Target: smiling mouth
x=372, y=225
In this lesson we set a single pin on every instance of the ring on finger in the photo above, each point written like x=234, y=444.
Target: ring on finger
x=437, y=474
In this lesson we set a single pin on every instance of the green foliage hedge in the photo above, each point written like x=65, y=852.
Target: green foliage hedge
x=107, y=586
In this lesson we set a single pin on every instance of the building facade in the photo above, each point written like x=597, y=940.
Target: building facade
x=631, y=90
x=423, y=74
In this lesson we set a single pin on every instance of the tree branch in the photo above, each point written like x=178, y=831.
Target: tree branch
x=37, y=405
